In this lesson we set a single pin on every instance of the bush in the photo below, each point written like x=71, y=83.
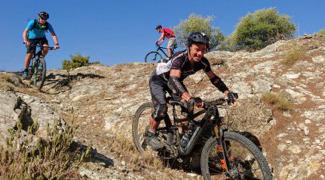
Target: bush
x=261, y=28
x=321, y=32
x=75, y=62
x=198, y=23
x=277, y=100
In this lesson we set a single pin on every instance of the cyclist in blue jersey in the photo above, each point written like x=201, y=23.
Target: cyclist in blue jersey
x=34, y=34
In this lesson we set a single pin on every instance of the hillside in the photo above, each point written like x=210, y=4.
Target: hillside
x=99, y=102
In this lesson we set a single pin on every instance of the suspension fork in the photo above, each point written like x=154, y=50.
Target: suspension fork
x=221, y=147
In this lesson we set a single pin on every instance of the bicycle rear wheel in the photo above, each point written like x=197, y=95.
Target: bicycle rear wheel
x=140, y=125
x=153, y=56
x=39, y=73
x=246, y=160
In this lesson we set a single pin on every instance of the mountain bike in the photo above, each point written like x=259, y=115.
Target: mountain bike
x=37, y=68
x=158, y=54
x=222, y=152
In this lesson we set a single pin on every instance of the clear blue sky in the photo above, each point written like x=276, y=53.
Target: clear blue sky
x=123, y=31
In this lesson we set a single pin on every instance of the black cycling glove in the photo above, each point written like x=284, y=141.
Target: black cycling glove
x=232, y=97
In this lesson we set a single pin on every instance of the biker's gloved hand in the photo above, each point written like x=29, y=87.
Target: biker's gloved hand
x=27, y=43
x=197, y=102
x=232, y=97
x=57, y=46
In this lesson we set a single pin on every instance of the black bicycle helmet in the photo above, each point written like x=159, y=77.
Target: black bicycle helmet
x=198, y=37
x=43, y=15
x=158, y=27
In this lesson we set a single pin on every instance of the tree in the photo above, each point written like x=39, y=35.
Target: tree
x=197, y=23
x=261, y=28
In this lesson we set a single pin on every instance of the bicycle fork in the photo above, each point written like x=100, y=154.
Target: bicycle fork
x=222, y=151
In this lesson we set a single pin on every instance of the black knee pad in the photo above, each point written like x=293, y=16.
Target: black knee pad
x=160, y=112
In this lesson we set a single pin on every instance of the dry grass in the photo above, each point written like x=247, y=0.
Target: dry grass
x=28, y=158
x=125, y=149
x=277, y=100
x=296, y=52
x=250, y=114
x=5, y=82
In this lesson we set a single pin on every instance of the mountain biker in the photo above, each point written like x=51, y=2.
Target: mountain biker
x=34, y=34
x=182, y=64
x=170, y=35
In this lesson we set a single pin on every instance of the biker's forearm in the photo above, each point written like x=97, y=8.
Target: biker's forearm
x=25, y=38
x=218, y=83
x=176, y=86
x=55, y=40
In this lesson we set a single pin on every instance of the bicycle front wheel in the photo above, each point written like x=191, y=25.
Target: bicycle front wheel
x=246, y=160
x=39, y=73
x=153, y=56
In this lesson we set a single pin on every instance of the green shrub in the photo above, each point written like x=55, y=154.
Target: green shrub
x=75, y=62
x=321, y=32
x=198, y=23
x=261, y=28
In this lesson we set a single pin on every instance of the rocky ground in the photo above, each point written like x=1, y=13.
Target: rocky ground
x=100, y=102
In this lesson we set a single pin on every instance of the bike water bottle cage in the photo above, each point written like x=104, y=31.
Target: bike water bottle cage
x=176, y=86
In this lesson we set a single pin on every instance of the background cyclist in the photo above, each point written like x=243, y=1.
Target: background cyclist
x=170, y=35
x=34, y=34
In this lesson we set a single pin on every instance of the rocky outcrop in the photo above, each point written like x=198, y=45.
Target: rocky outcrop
x=101, y=100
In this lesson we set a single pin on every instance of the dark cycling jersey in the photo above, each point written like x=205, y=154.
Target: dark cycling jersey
x=181, y=62
x=159, y=83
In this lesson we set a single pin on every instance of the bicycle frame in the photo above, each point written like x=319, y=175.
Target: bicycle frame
x=211, y=118
x=161, y=49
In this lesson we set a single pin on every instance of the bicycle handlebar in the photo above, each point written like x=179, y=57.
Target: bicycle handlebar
x=49, y=47
x=207, y=104
x=217, y=102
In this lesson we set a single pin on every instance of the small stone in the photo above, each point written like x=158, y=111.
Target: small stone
x=281, y=135
x=288, y=141
x=307, y=121
x=306, y=131
x=295, y=149
x=282, y=147
x=286, y=114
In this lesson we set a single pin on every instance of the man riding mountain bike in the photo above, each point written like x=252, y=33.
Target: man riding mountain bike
x=170, y=79
x=34, y=34
x=170, y=35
